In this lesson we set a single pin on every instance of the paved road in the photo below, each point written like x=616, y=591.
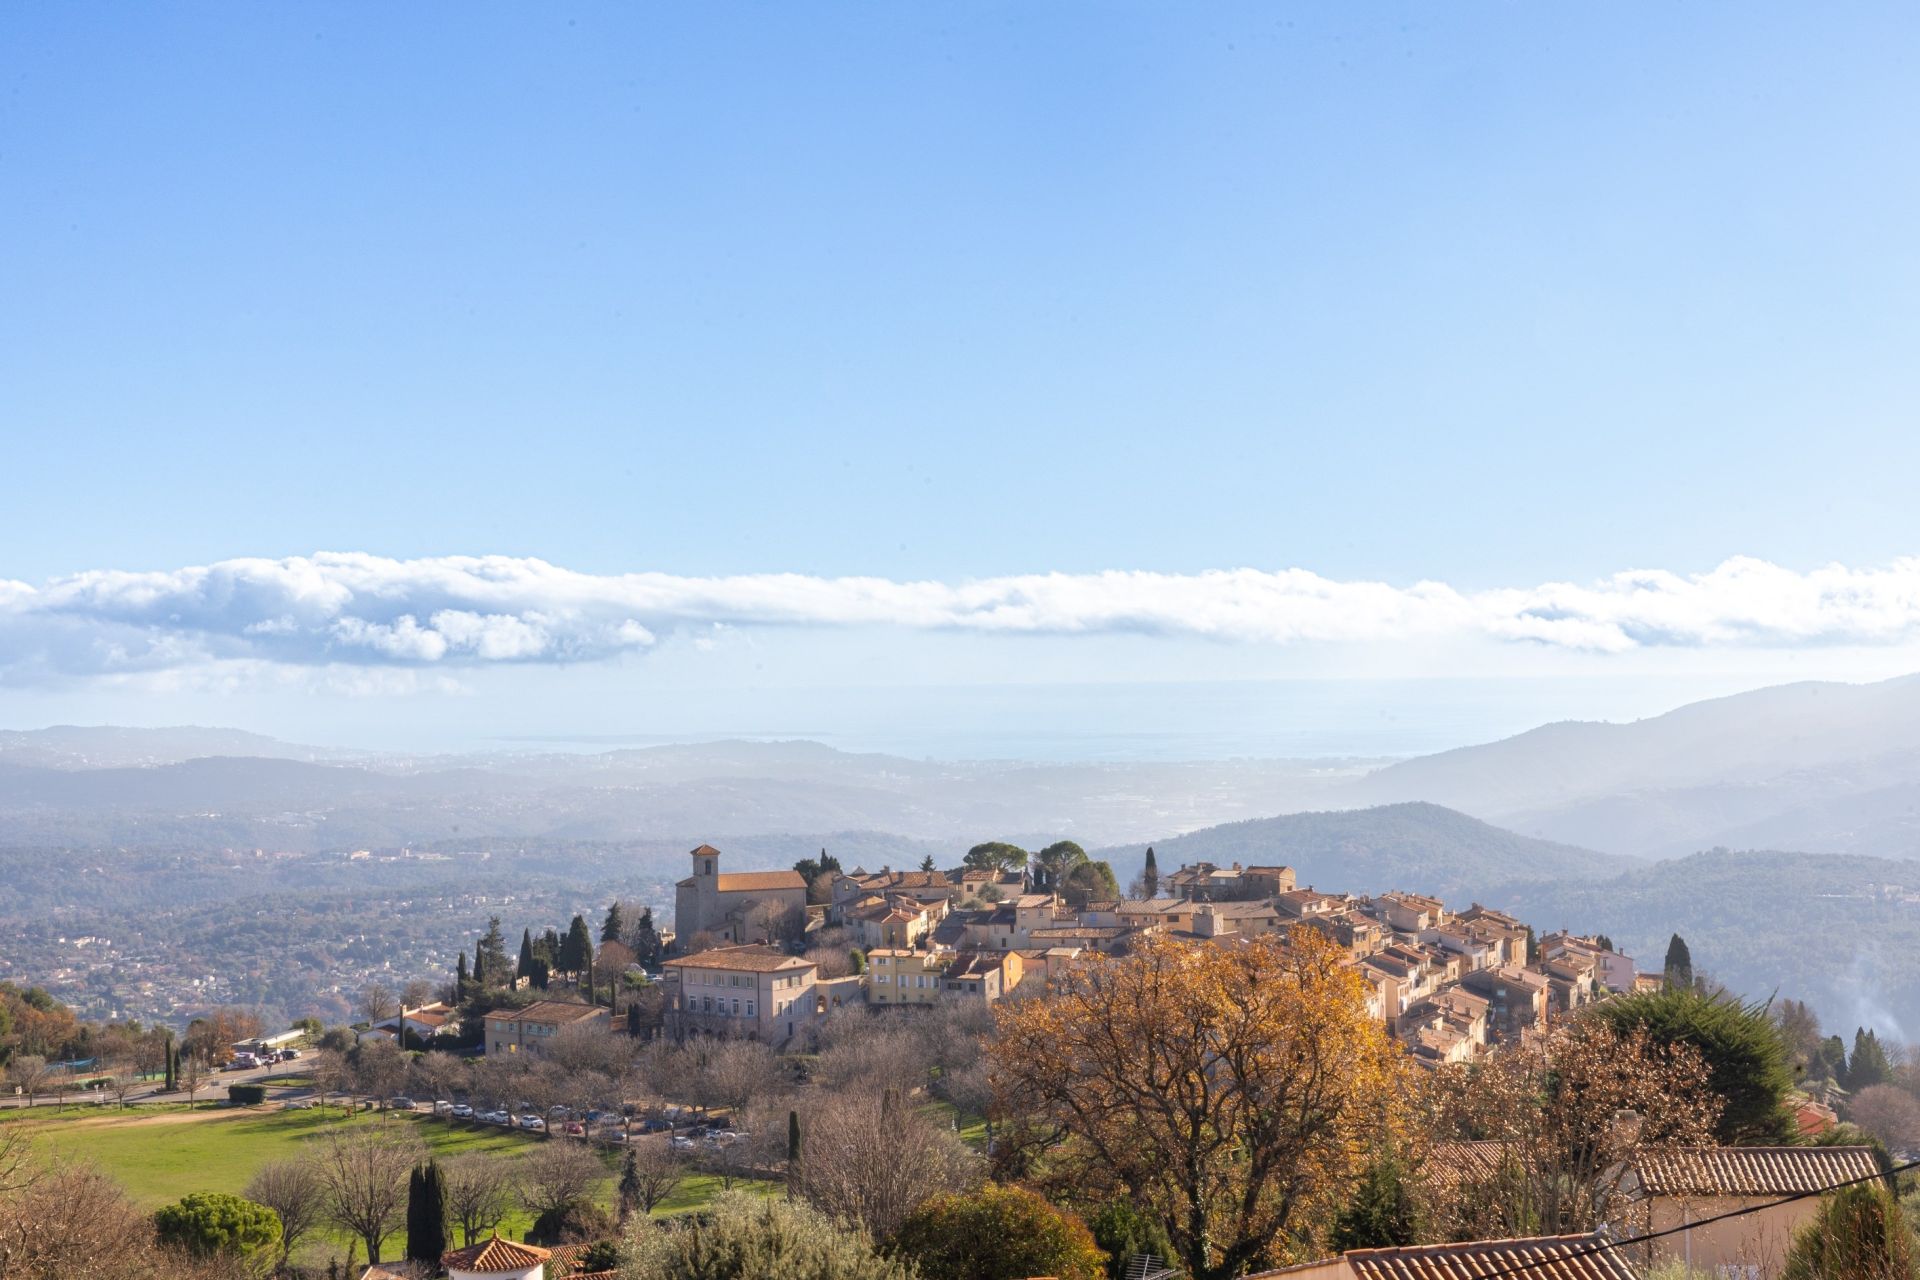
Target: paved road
x=213, y=1085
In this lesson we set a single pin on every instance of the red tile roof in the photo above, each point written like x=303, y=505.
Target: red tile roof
x=558, y=1012
x=495, y=1254
x=760, y=881
x=1751, y=1171
x=1582, y=1257
x=751, y=958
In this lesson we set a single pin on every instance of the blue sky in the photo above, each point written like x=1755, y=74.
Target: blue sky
x=1490, y=296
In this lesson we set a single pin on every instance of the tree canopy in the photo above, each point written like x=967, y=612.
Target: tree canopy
x=209, y=1222
x=1746, y=1059
x=1233, y=1091
x=995, y=1233
x=1860, y=1233
x=995, y=855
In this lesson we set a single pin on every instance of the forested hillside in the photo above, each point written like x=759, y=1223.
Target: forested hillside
x=1419, y=847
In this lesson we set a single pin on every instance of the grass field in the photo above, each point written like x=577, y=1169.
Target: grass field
x=160, y=1153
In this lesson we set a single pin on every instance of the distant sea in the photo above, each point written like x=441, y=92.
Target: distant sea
x=1278, y=719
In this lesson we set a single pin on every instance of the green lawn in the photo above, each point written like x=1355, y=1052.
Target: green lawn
x=160, y=1154
x=973, y=1129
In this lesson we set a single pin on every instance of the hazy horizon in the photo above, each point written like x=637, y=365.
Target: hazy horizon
x=1168, y=722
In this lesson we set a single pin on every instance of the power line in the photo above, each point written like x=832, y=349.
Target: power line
x=1606, y=1245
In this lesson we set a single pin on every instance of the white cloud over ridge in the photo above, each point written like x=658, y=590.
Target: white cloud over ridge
x=365, y=610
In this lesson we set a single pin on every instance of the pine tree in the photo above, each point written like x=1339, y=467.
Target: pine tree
x=1150, y=875
x=613, y=926
x=525, y=968
x=926, y=863
x=1382, y=1211
x=426, y=1214
x=1679, y=963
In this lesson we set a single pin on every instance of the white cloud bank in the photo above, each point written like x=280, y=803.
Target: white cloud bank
x=356, y=609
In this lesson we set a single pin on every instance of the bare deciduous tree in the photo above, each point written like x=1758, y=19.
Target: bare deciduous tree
x=379, y=1067
x=193, y=1075
x=649, y=1172
x=1567, y=1112
x=479, y=1192
x=293, y=1190
x=1889, y=1113
x=30, y=1073
x=378, y=1002
x=556, y=1174
x=874, y=1159
x=416, y=994
x=122, y=1076
x=730, y=1073
x=364, y=1171
x=880, y=1054
x=441, y=1075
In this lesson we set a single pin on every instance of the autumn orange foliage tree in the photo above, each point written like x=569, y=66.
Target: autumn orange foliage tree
x=1233, y=1090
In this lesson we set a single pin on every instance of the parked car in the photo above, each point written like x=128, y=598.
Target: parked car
x=533, y=1123
x=612, y=1135
x=497, y=1117
x=461, y=1111
x=442, y=1107
x=401, y=1103
x=576, y=1129
x=653, y=1124
x=288, y=1055
x=684, y=1144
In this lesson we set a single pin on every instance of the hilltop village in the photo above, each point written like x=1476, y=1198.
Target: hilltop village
x=1448, y=983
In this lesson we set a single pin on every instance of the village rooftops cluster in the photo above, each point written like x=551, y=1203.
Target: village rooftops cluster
x=1448, y=984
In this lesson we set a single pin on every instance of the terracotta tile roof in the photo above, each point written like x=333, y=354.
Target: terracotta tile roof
x=1581, y=1257
x=1454, y=1165
x=557, y=1012
x=759, y=881
x=495, y=1255
x=1751, y=1171
x=752, y=958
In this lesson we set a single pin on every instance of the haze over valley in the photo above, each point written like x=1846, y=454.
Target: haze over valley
x=168, y=848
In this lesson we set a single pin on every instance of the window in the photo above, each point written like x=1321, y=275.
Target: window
x=736, y=1006
x=749, y=1008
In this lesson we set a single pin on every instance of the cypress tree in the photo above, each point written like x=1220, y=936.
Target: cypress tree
x=525, y=967
x=576, y=950
x=1150, y=875
x=793, y=1154
x=1869, y=1065
x=1679, y=963
x=460, y=977
x=173, y=1065
x=479, y=967
x=426, y=1214
x=629, y=1184
x=613, y=926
